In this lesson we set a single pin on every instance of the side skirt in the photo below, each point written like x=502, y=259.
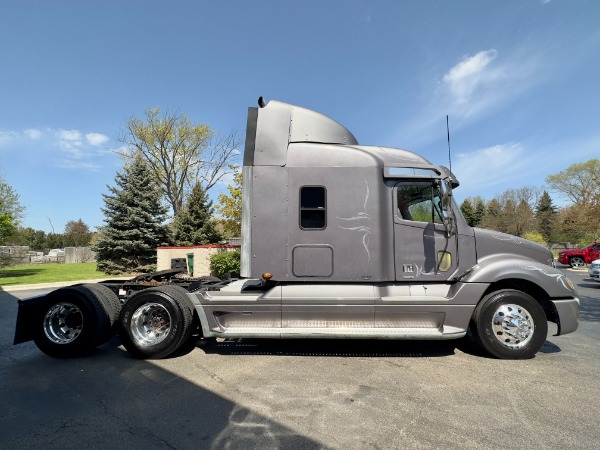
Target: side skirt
x=345, y=333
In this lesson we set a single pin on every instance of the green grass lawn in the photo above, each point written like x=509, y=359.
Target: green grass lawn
x=49, y=273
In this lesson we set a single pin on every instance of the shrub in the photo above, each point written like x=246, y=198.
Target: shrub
x=225, y=264
x=535, y=237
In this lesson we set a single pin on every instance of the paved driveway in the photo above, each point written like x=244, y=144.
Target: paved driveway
x=305, y=394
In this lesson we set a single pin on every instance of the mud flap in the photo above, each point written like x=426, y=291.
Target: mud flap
x=27, y=318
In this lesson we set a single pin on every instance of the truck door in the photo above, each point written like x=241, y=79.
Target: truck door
x=425, y=249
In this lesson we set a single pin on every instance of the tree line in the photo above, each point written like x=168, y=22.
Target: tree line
x=530, y=212
x=169, y=164
x=76, y=234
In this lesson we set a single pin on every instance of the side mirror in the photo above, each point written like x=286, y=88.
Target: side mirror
x=449, y=219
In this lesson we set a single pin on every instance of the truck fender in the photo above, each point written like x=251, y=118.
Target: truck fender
x=195, y=305
x=502, y=267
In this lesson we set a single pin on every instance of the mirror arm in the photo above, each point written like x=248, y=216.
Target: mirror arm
x=451, y=227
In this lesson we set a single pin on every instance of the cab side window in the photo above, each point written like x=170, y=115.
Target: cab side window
x=313, y=208
x=419, y=202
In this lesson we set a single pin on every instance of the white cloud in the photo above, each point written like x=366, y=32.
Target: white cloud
x=69, y=135
x=226, y=179
x=78, y=150
x=470, y=74
x=33, y=134
x=474, y=87
x=490, y=167
x=75, y=164
x=69, y=141
x=481, y=83
x=96, y=139
x=7, y=137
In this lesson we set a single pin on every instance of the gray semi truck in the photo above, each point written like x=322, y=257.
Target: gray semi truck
x=339, y=240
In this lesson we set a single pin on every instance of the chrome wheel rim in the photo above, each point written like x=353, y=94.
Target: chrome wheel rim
x=577, y=262
x=63, y=323
x=150, y=324
x=513, y=326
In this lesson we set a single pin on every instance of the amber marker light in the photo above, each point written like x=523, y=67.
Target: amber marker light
x=570, y=283
x=267, y=276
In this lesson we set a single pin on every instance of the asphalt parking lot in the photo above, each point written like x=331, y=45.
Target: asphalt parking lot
x=305, y=394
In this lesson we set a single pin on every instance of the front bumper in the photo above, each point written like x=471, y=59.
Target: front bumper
x=567, y=315
x=594, y=274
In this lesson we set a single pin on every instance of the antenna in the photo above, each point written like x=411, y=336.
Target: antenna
x=448, y=131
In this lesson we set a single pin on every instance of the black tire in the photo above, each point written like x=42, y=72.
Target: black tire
x=576, y=261
x=155, y=322
x=72, y=321
x=112, y=307
x=509, y=324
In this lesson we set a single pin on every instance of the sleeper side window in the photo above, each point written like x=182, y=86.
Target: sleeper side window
x=419, y=202
x=313, y=208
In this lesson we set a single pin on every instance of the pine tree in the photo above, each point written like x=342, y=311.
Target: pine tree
x=194, y=225
x=134, y=222
x=493, y=215
x=545, y=216
x=480, y=211
x=468, y=212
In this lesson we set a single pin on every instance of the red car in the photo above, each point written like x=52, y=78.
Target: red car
x=578, y=257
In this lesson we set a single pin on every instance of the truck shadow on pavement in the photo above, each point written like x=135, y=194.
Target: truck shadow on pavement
x=350, y=348
x=107, y=400
x=366, y=348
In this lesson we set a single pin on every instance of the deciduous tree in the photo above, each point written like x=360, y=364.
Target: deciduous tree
x=77, y=233
x=11, y=210
x=579, y=182
x=34, y=239
x=178, y=152
x=230, y=207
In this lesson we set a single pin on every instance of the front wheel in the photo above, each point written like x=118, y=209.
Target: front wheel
x=576, y=261
x=155, y=322
x=509, y=324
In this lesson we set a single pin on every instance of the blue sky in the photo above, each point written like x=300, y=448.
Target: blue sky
x=520, y=80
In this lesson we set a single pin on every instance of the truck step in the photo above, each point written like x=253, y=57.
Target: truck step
x=338, y=333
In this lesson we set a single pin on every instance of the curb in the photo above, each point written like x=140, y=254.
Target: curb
x=25, y=287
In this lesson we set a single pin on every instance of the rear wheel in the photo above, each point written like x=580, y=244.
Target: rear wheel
x=73, y=321
x=155, y=322
x=509, y=324
x=576, y=261
x=112, y=307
